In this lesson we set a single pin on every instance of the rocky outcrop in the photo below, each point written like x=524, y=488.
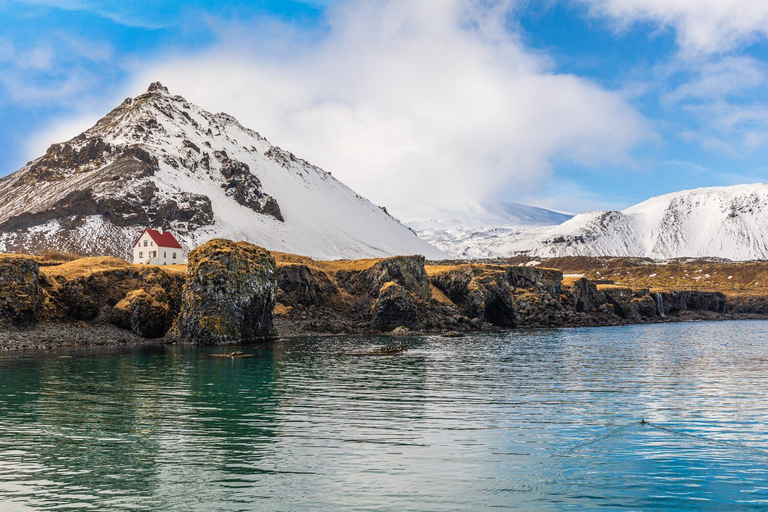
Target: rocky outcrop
x=483, y=293
x=585, y=296
x=88, y=289
x=245, y=188
x=675, y=302
x=21, y=298
x=229, y=294
x=395, y=307
x=405, y=271
x=301, y=285
x=146, y=313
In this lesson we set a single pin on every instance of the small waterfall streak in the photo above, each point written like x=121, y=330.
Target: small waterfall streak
x=659, y=304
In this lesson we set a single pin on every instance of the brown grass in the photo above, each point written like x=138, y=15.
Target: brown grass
x=87, y=266
x=732, y=278
x=328, y=266
x=50, y=255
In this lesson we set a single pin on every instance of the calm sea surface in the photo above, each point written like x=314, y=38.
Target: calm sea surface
x=546, y=420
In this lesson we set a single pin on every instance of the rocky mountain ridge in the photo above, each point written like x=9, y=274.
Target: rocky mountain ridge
x=717, y=222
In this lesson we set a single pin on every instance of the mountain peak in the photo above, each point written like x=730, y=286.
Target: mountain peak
x=158, y=160
x=720, y=222
x=157, y=87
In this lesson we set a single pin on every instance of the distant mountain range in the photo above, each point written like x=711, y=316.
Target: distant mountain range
x=486, y=230
x=159, y=161
x=718, y=222
x=722, y=222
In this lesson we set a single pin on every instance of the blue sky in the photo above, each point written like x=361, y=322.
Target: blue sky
x=421, y=106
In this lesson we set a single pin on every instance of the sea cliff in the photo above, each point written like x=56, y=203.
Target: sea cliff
x=234, y=292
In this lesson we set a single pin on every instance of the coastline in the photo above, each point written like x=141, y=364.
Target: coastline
x=49, y=336
x=234, y=293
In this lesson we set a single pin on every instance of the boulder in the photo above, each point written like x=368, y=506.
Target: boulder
x=229, y=294
x=395, y=307
x=146, y=313
x=21, y=297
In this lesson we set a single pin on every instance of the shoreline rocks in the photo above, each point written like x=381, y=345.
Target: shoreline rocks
x=229, y=294
x=235, y=292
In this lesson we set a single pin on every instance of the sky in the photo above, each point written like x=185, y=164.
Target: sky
x=421, y=106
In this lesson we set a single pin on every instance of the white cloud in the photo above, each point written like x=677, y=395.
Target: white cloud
x=413, y=104
x=719, y=79
x=702, y=26
x=56, y=69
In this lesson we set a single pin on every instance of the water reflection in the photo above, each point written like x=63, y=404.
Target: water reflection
x=536, y=419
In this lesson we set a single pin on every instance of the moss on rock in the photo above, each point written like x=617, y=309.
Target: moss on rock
x=229, y=294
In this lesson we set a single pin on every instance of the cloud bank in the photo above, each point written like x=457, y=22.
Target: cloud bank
x=416, y=105
x=702, y=26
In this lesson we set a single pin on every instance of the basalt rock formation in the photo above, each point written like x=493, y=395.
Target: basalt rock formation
x=21, y=297
x=233, y=291
x=229, y=294
x=145, y=312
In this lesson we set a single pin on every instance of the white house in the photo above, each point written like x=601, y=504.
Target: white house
x=158, y=247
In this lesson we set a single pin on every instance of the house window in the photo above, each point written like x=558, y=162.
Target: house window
x=146, y=243
x=151, y=243
x=165, y=254
x=141, y=254
x=174, y=255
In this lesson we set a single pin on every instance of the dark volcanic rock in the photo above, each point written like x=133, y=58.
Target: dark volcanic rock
x=395, y=307
x=299, y=284
x=675, y=302
x=482, y=293
x=245, y=188
x=80, y=305
x=21, y=298
x=146, y=313
x=406, y=271
x=229, y=294
x=585, y=296
x=539, y=279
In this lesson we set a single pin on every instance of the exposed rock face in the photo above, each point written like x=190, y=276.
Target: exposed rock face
x=676, y=302
x=395, y=307
x=80, y=294
x=482, y=293
x=540, y=279
x=146, y=313
x=229, y=294
x=245, y=188
x=406, y=271
x=585, y=295
x=21, y=298
x=299, y=284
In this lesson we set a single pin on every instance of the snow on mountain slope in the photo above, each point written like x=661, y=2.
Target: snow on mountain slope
x=724, y=222
x=158, y=160
x=486, y=230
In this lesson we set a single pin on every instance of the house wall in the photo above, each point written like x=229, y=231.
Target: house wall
x=151, y=254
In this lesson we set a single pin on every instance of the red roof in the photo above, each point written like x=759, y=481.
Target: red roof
x=164, y=239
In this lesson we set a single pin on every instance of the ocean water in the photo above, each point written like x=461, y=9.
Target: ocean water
x=534, y=420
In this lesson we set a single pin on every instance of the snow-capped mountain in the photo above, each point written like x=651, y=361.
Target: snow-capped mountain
x=160, y=161
x=486, y=230
x=724, y=222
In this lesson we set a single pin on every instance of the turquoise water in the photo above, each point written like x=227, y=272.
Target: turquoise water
x=544, y=420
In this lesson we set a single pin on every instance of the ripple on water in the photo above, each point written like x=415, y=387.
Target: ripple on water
x=530, y=419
